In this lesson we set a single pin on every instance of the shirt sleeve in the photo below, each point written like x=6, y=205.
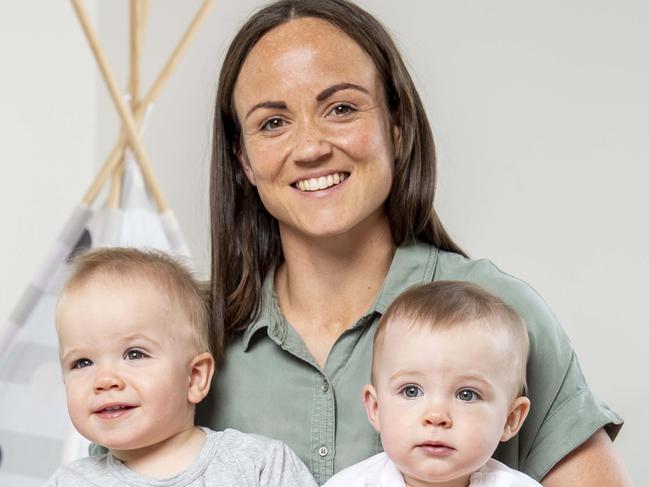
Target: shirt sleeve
x=283, y=467
x=67, y=477
x=573, y=417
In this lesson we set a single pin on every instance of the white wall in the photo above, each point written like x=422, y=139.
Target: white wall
x=540, y=116
x=47, y=133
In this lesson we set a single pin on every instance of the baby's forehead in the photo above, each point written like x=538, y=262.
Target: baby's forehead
x=472, y=340
x=110, y=290
x=404, y=326
x=101, y=283
x=459, y=349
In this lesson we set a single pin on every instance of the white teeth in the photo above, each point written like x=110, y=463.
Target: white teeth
x=323, y=182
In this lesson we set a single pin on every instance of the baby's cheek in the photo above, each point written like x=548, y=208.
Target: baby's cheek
x=77, y=416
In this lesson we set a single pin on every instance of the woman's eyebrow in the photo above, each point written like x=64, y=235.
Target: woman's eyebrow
x=267, y=104
x=327, y=92
x=323, y=95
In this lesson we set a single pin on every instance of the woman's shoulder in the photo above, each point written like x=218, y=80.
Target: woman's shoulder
x=514, y=291
x=455, y=267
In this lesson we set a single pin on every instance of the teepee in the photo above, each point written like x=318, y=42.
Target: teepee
x=36, y=435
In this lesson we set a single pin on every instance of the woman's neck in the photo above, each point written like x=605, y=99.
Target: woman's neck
x=325, y=284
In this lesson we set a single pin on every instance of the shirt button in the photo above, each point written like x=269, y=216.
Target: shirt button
x=325, y=385
x=323, y=451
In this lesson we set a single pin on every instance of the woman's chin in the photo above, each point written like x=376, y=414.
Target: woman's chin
x=335, y=226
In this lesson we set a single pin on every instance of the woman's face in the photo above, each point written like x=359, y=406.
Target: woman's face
x=317, y=140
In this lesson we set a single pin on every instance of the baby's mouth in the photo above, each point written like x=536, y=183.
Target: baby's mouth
x=113, y=411
x=323, y=182
x=436, y=448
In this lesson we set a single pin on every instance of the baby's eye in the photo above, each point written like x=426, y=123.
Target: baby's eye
x=342, y=109
x=468, y=395
x=273, y=123
x=134, y=354
x=81, y=363
x=411, y=391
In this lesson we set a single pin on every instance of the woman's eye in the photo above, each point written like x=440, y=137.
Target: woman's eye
x=342, y=110
x=412, y=391
x=273, y=124
x=468, y=395
x=82, y=363
x=134, y=355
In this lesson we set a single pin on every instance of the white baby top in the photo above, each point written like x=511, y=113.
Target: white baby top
x=379, y=471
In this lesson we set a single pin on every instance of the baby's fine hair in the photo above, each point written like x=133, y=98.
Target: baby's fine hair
x=168, y=275
x=442, y=305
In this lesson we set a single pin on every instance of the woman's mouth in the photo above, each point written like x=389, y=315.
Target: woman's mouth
x=322, y=182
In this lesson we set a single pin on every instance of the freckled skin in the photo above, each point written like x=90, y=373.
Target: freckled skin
x=347, y=132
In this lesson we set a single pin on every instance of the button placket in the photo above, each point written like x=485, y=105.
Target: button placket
x=323, y=429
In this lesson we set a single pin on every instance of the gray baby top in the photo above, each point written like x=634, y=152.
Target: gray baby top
x=228, y=458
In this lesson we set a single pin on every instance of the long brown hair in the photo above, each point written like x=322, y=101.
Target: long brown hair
x=245, y=237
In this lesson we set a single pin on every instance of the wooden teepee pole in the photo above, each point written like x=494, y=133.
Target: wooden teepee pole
x=128, y=123
x=184, y=42
x=138, y=12
x=115, y=192
x=116, y=153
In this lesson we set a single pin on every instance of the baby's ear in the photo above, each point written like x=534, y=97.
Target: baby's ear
x=200, y=377
x=517, y=414
x=371, y=406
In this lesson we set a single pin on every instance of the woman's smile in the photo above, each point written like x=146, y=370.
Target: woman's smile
x=317, y=183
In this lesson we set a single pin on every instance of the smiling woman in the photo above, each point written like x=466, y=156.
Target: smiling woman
x=327, y=119
x=322, y=187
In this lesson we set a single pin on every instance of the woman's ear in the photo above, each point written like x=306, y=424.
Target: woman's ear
x=396, y=141
x=371, y=406
x=200, y=377
x=245, y=164
x=517, y=414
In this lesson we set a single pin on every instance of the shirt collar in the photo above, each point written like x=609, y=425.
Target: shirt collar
x=412, y=264
x=269, y=316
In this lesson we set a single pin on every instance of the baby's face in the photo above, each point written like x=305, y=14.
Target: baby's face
x=125, y=354
x=441, y=399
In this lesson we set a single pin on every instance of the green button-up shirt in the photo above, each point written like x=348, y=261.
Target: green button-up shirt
x=271, y=385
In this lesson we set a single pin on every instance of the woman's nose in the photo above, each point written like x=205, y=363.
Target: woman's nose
x=107, y=380
x=311, y=143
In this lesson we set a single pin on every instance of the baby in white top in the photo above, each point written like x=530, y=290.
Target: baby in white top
x=448, y=384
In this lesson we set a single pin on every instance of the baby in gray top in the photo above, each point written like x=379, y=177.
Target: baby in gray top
x=135, y=355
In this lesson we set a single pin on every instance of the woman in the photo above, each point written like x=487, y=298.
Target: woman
x=323, y=179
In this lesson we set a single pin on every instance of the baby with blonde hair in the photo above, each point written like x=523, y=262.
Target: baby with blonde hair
x=447, y=385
